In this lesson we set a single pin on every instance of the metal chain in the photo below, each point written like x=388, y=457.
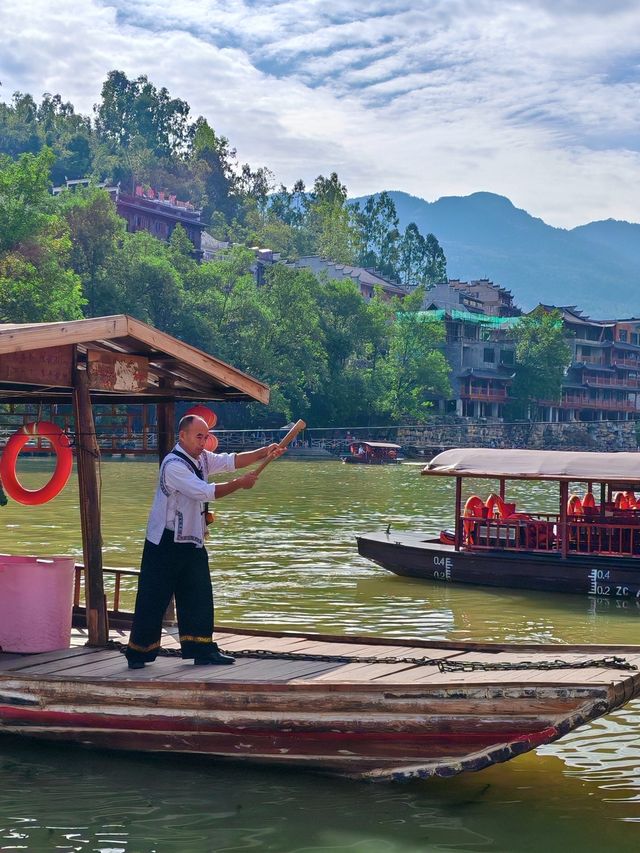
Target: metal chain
x=610, y=662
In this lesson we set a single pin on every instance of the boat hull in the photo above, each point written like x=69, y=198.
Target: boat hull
x=414, y=555
x=362, y=707
x=361, y=733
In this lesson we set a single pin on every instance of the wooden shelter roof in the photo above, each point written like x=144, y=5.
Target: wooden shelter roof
x=128, y=361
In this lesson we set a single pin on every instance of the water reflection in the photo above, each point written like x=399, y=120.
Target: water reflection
x=99, y=802
x=284, y=556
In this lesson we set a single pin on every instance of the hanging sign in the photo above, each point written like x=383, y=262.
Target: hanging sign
x=110, y=371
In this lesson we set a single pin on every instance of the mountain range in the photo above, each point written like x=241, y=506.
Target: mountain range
x=595, y=267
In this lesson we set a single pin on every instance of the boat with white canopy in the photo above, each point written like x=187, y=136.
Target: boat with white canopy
x=590, y=544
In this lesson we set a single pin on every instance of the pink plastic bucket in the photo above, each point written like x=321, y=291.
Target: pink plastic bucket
x=36, y=602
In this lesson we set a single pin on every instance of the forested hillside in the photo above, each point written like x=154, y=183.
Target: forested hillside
x=328, y=355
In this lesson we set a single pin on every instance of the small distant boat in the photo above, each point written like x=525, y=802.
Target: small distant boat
x=373, y=453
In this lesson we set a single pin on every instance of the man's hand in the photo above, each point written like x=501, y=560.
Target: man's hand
x=274, y=450
x=248, y=480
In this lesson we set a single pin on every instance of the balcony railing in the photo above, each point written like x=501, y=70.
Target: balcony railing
x=494, y=395
x=605, y=382
x=617, y=536
x=569, y=402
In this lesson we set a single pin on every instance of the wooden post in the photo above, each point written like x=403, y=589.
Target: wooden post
x=166, y=428
x=88, y=454
x=562, y=521
x=458, y=527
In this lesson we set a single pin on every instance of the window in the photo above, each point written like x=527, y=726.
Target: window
x=489, y=355
x=507, y=357
x=623, y=335
x=634, y=338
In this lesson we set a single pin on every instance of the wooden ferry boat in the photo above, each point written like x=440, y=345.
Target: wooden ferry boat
x=590, y=545
x=373, y=453
x=363, y=707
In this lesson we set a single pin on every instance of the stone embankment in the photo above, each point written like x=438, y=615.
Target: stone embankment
x=604, y=436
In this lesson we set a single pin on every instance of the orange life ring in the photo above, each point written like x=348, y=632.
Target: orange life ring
x=473, y=509
x=495, y=502
x=210, y=418
x=632, y=502
x=64, y=463
x=589, y=501
x=574, y=505
x=621, y=501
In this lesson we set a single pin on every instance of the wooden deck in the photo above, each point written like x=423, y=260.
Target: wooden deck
x=384, y=717
x=81, y=662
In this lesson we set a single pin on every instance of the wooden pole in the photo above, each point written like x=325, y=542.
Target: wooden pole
x=88, y=455
x=458, y=527
x=166, y=428
x=562, y=521
x=284, y=442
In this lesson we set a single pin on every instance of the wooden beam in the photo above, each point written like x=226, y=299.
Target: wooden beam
x=19, y=338
x=88, y=454
x=562, y=521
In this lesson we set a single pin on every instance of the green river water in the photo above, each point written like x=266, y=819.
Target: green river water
x=283, y=556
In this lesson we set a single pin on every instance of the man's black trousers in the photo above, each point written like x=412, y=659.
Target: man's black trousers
x=167, y=569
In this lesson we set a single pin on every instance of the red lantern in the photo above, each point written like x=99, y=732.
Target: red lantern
x=210, y=418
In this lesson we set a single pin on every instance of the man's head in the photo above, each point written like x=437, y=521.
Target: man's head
x=193, y=432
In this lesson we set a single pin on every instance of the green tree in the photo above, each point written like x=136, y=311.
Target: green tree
x=345, y=320
x=379, y=235
x=294, y=346
x=135, y=109
x=96, y=233
x=36, y=281
x=414, y=370
x=421, y=259
x=214, y=161
x=19, y=129
x=331, y=221
x=542, y=358
x=145, y=283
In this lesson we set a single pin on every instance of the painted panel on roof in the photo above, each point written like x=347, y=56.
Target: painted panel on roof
x=50, y=366
x=117, y=372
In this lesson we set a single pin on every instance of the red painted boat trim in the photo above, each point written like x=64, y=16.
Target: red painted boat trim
x=29, y=717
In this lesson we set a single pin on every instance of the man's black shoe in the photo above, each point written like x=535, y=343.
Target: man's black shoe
x=136, y=664
x=214, y=656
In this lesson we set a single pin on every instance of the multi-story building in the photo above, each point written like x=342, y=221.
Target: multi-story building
x=602, y=382
x=494, y=300
x=479, y=348
x=159, y=213
x=367, y=280
x=148, y=210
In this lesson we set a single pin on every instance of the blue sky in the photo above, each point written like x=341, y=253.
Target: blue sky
x=537, y=100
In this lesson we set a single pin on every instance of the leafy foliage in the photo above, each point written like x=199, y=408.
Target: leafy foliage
x=36, y=281
x=542, y=357
x=327, y=354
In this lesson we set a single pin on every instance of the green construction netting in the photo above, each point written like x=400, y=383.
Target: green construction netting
x=468, y=317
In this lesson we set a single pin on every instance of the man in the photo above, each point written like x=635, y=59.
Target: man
x=174, y=559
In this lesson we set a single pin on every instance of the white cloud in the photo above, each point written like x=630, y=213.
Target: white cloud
x=536, y=100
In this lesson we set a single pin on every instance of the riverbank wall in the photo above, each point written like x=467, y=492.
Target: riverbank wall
x=430, y=439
